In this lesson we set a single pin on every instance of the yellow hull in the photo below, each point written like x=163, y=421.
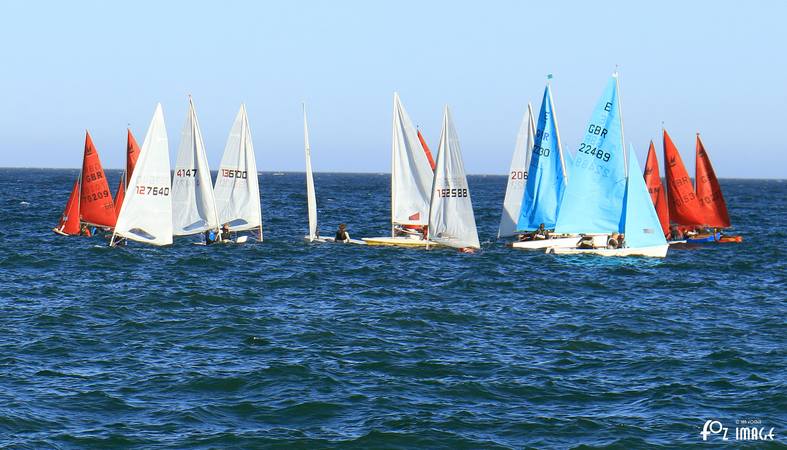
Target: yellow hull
x=399, y=242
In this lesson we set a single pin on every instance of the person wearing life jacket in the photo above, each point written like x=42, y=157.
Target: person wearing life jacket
x=540, y=234
x=85, y=231
x=613, y=241
x=341, y=234
x=225, y=232
x=586, y=242
x=676, y=234
x=210, y=236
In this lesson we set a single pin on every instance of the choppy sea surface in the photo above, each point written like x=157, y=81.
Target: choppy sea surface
x=286, y=344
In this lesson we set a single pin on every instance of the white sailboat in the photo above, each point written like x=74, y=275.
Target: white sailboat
x=411, y=184
x=517, y=176
x=146, y=213
x=193, y=204
x=237, y=188
x=311, y=196
x=451, y=218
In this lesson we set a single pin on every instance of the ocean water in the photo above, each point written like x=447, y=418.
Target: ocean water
x=293, y=345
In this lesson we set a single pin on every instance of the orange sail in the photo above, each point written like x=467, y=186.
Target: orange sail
x=95, y=203
x=712, y=205
x=132, y=153
x=69, y=221
x=656, y=189
x=426, y=149
x=683, y=203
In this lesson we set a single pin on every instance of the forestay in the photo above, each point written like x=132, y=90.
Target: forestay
x=311, y=197
x=411, y=174
x=642, y=225
x=193, y=204
x=593, y=201
x=547, y=178
x=517, y=175
x=237, y=188
x=146, y=213
x=451, y=219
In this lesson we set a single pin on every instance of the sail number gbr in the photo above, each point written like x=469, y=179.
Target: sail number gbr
x=231, y=173
x=152, y=190
x=451, y=192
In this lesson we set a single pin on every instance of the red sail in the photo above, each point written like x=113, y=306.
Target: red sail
x=656, y=189
x=132, y=153
x=683, y=204
x=69, y=221
x=426, y=150
x=95, y=203
x=712, y=205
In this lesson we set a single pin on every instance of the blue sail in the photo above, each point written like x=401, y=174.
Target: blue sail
x=642, y=225
x=546, y=176
x=593, y=201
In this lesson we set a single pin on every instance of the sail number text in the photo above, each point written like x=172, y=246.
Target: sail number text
x=230, y=173
x=152, y=190
x=519, y=174
x=186, y=173
x=95, y=196
x=593, y=151
x=451, y=192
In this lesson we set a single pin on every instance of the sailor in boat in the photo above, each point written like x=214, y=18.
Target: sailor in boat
x=84, y=230
x=539, y=234
x=586, y=242
x=675, y=234
x=225, y=232
x=614, y=241
x=419, y=231
x=341, y=234
x=211, y=236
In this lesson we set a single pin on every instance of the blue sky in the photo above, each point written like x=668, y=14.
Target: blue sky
x=717, y=67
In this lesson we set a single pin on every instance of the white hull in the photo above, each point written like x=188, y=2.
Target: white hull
x=545, y=243
x=676, y=242
x=400, y=241
x=323, y=240
x=656, y=251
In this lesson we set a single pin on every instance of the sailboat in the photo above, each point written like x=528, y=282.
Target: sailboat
x=237, y=189
x=656, y=188
x=96, y=206
x=132, y=154
x=146, y=213
x=411, y=184
x=69, y=220
x=451, y=218
x=640, y=222
x=193, y=204
x=546, y=182
x=593, y=202
x=517, y=176
x=311, y=196
x=684, y=207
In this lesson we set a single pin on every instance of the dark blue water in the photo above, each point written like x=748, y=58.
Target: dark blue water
x=291, y=345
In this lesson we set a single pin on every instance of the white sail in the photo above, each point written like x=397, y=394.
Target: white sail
x=311, y=197
x=237, y=188
x=146, y=212
x=193, y=204
x=517, y=175
x=451, y=219
x=411, y=174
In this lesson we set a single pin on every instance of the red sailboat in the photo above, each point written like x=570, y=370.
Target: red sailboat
x=684, y=207
x=712, y=205
x=132, y=153
x=656, y=188
x=69, y=221
x=96, y=206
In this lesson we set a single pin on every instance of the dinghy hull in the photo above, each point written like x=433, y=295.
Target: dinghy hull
x=323, y=240
x=399, y=241
x=656, y=251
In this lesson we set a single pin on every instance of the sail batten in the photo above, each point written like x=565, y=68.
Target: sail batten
x=451, y=218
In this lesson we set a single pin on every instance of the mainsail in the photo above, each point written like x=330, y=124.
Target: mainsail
x=146, y=213
x=411, y=174
x=684, y=208
x=451, y=219
x=96, y=206
x=193, y=204
x=69, y=221
x=711, y=201
x=517, y=176
x=311, y=197
x=132, y=154
x=656, y=188
x=642, y=224
x=237, y=187
x=547, y=177
x=593, y=201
